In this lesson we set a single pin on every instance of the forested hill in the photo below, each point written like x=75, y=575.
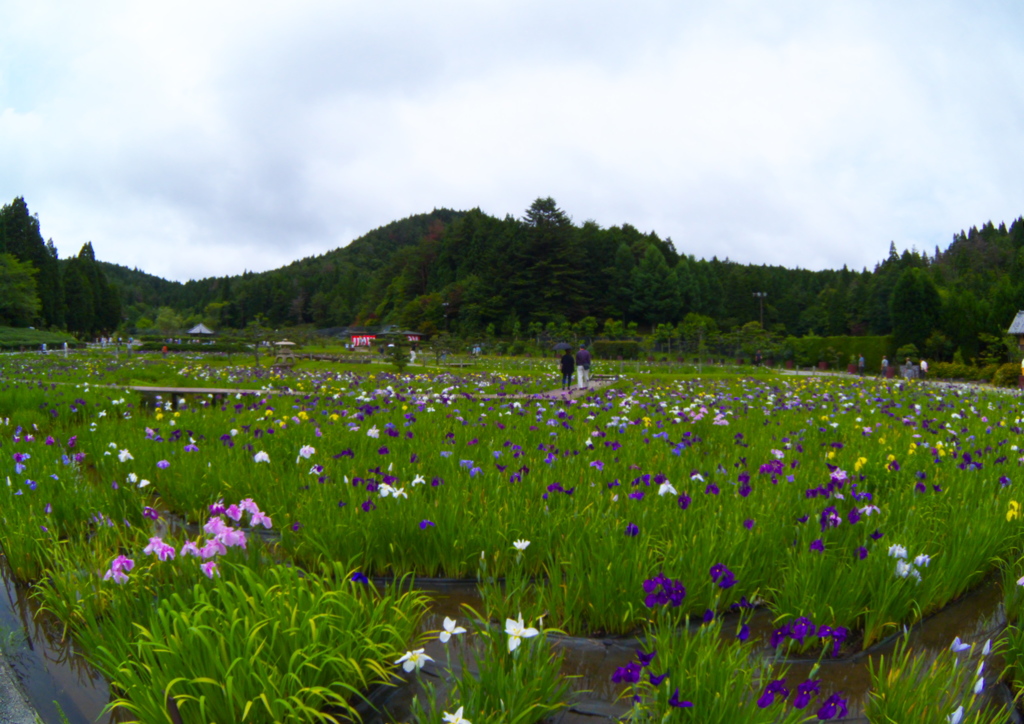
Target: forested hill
x=328, y=289
x=469, y=272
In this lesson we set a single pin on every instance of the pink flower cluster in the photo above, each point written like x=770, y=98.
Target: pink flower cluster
x=221, y=537
x=119, y=569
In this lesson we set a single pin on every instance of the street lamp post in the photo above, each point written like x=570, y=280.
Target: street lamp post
x=760, y=298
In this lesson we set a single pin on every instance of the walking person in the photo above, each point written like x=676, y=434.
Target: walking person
x=583, y=367
x=924, y=368
x=885, y=367
x=568, y=364
x=860, y=365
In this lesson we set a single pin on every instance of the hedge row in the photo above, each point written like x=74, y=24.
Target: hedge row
x=15, y=337
x=200, y=348
x=613, y=349
x=809, y=351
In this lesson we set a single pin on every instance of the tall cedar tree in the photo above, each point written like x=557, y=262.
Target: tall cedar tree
x=20, y=237
x=549, y=281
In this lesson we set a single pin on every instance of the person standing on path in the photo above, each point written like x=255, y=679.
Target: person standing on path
x=583, y=367
x=568, y=363
x=885, y=366
x=924, y=368
x=860, y=365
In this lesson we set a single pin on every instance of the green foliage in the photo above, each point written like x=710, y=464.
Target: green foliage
x=93, y=305
x=921, y=688
x=609, y=349
x=19, y=302
x=198, y=348
x=915, y=308
x=960, y=371
x=15, y=337
x=20, y=236
x=1007, y=375
x=256, y=643
x=524, y=686
x=398, y=355
x=905, y=351
x=720, y=676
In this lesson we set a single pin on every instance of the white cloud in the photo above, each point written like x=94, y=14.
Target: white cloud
x=193, y=139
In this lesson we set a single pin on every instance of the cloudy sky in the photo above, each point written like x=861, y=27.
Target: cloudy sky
x=192, y=139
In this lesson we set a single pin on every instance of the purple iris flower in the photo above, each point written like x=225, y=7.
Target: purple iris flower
x=862, y=552
x=744, y=633
x=632, y=530
x=877, y=534
x=629, y=674
x=150, y=513
x=675, y=701
x=657, y=679
x=645, y=659
x=748, y=524
x=191, y=448
x=818, y=545
x=684, y=501
x=162, y=464
x=802, y=627
x=805, y=692
x=424, y=524
x=833, y=708
x=358, y=577
x=774, y=688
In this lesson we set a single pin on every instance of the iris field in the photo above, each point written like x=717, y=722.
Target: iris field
x=254, y=558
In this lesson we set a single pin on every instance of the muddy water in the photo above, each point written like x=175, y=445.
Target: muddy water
x=51, y=671
x=54, y=676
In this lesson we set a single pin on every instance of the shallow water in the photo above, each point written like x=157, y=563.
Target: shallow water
x=54, y=676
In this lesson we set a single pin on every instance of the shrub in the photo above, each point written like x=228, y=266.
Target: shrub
x=1007, y=375
x=908, y=350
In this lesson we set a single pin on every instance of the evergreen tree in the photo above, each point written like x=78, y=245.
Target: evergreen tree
x=78, y=298
x=655, y=293
x=19, y=302
x=549, y=276
x=915, y=309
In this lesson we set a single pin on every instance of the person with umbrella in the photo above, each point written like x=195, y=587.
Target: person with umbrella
x=568, y=365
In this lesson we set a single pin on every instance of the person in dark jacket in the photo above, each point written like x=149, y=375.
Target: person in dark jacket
x=568, y=365
x=583, y=367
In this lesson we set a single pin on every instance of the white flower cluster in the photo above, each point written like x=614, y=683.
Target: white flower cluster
x=904, y=569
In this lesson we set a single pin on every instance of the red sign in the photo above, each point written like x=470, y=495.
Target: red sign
x=413, y=337
x=363, y=340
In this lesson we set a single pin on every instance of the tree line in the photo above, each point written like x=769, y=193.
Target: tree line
x=471, y=274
